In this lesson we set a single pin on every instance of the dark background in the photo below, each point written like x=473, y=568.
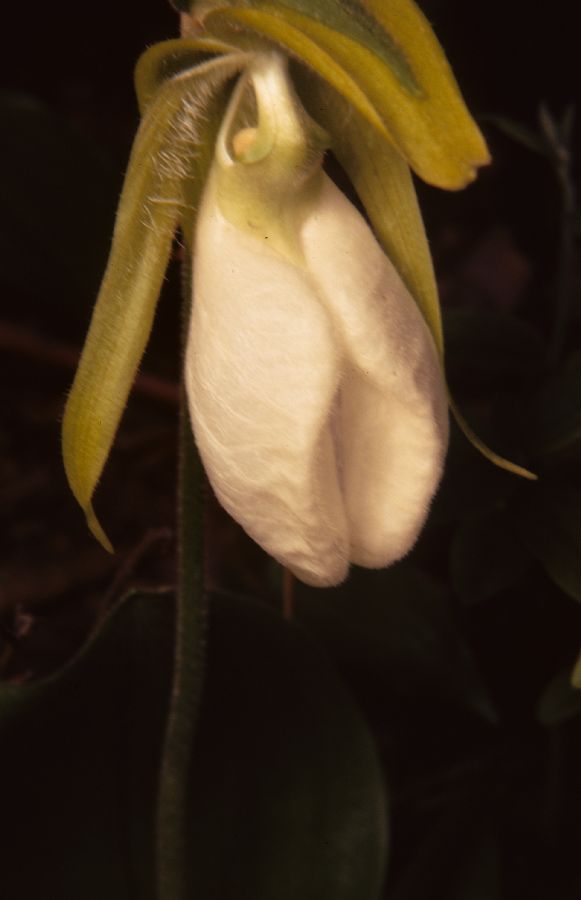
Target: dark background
x=68, y=118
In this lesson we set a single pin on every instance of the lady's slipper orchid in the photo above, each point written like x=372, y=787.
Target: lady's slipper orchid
x=316, y=395
x=316, y=390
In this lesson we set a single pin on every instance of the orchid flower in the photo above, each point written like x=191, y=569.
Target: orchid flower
x=314, y=365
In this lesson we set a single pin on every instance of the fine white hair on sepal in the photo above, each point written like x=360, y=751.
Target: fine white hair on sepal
x=316, y=395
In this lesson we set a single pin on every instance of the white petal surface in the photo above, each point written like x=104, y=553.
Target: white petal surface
x=262, y=370
x=392, y=427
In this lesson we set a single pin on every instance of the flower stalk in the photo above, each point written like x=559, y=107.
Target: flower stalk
x=189, y=658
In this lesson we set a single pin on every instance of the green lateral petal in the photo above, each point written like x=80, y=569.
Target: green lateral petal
x=151, y=203
x=422, y=115
x=383, y=181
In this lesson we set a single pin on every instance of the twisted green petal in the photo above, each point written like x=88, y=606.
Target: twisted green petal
x=154, y=198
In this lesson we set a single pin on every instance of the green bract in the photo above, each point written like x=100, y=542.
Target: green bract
x=371, y=73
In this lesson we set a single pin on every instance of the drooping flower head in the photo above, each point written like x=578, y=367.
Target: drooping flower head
x=314, y=364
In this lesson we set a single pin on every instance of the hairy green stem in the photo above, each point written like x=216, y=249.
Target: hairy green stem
x=191, y=615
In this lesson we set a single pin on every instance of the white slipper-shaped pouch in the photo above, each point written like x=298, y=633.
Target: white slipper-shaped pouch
x=316, y=396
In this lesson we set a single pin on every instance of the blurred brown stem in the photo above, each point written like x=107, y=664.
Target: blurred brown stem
x=22, y=342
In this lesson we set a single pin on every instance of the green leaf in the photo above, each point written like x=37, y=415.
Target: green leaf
x=548, y=520
x=153, y=200
x=397, y=627
x=386, y=62
x=83, y=748
x=486, y=556
x=560, y=701
x=286, y=795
